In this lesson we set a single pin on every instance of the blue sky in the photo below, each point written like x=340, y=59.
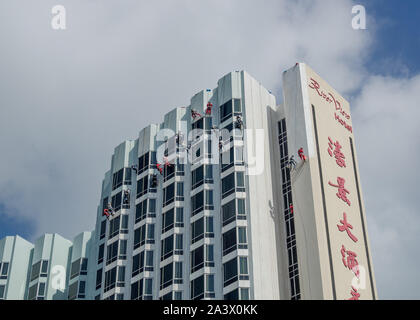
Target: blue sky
x=65, y=97
x=398, y=34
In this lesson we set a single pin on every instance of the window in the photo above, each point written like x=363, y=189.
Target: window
x=75, y=269
x=197, y=288
x=143, y=163
x=101, y=253
x=168, y=172
x=239, y=155
x=148, y=286
x=152, y=207
x=209, y=200
x=127, y=176
x=228, y=185
x=209, y=256
x=209, y=227
x=149, y=260
x=167, y=247
x=230, y=272
x=112, y=252
x=244, y=294
x=197, y=259
x=197, y=177
x=242, y=238
x=178, y=244
x=32, y=292
x=98, y=279
x=117, y=179
x=243, y=266
x=142, y=186
x=73, y=290
x=168, y=194
x=229, y=241
x=44, y=268
x=103, y=229
x=197, y=230
x=209, y=282
x=124, y=224
x=35, y=270
x=4, y=270
x=141, y=211
x=166, y=276
x=139, y=236
x=150, y=233
x=121, y=276
x=240, y=182
x=110, y=278
x=233, y=295
x=116, y=201
x=114, y=227
x=167, y=220
x=241, y=209
x=226, y=159
x=237, y=105
x=137, y=290
x=178, y=272
x=208, y=173
x=138, y=262
x=197, y=203
x=2, y=291
x=228, y=212
x=179, y=191
x=123, y=250
x=225, y=111
x=82, y=290
x=179, y=220
x=177, y=295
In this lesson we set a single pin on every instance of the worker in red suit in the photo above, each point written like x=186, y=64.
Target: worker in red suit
x=301, y=154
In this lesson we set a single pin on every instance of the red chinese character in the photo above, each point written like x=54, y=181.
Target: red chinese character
x=342, y=192
x=354, y=294
x=339, y=156
x=350, y=262
x=346, y=227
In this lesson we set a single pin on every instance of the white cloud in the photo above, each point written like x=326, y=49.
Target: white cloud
x=388, y=141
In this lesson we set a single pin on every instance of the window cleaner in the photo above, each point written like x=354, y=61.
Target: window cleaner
x=195, y=114
x=167, y=164
x=238, y=123
x=291, y=208
x=110, y=209
x=126, y=198
x=208, y=109
x=134, y=168
x=301, y=154
x=291, y=163
x=106, y=213
x=159, y=168
x=154, y=181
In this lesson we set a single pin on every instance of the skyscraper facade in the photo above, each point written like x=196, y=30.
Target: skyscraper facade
x=232, y=197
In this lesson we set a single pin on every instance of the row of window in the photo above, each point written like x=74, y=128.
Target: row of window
x=288, y=216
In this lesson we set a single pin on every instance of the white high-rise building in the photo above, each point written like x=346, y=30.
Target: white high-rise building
x=231, y=197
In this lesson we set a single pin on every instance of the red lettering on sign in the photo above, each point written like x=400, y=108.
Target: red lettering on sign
x=342, y=191
x=339, y=156
x=354, y=294
x=345, y=226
